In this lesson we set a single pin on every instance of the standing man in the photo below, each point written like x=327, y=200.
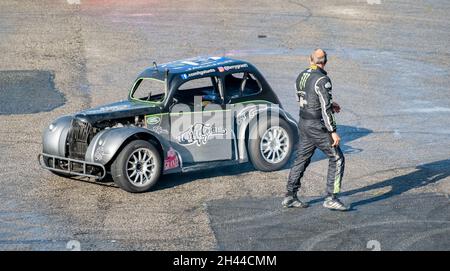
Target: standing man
x=317, y=128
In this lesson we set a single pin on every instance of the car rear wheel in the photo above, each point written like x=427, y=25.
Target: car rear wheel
x=137, y=167
x=270, y=145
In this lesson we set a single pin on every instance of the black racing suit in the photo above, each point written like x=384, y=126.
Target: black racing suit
x=315, y=127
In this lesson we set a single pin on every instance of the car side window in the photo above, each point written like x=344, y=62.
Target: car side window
x=241, y=84
x=252, y=85
x=205, y=87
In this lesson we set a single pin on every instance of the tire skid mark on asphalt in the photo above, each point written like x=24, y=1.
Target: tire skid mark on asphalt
x=408, y=243
x=310, y=243
x=262, y=231
x=308, y=10
x=269, y=214
x=268, y=224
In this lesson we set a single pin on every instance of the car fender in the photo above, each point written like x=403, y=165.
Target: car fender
x=106, y=143
x=247, y=117
x=55, y=135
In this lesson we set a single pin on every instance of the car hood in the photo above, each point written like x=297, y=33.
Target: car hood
x=122, y=109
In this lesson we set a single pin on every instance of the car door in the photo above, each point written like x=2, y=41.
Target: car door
x=201, y=125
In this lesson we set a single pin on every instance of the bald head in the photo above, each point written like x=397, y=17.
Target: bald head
x=318, y=57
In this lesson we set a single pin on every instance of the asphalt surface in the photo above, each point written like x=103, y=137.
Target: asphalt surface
x=389, y=63
x=259, y=224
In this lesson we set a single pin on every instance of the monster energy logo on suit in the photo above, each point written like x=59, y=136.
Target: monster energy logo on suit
x=300, y=92
x=305, y=77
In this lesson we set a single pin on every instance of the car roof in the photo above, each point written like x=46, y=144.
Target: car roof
x=190, y=65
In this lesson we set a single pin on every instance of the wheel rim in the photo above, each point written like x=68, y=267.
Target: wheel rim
x=274, y=145
x=140, y=167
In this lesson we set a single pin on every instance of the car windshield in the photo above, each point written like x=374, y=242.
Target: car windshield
x=149, y=89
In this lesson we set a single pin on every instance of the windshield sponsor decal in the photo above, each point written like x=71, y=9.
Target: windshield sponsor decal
x=197, y=73
x=208, y=63
x=199, y=134
x=232, y=67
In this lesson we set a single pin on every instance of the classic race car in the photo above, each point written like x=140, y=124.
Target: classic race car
x=181, y=116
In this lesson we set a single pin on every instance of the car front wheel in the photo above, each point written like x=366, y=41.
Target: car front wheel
x=137, y=167
x=270, y=145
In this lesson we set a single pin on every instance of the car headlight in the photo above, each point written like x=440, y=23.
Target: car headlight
x=52, y=127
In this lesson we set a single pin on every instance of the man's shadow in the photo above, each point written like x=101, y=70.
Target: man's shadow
x=424, y=175
x=348, y=134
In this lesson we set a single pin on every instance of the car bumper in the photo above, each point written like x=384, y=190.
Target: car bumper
x=74, y=167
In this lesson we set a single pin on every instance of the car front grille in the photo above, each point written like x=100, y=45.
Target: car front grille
x=78, y=139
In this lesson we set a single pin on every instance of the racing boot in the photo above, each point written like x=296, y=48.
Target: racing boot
x=333, y=203
x=291, y=201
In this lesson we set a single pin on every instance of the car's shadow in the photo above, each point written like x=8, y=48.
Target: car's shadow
x=176, y=179
x=347, y=133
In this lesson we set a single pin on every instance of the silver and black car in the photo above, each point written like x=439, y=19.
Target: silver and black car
x=180, y=116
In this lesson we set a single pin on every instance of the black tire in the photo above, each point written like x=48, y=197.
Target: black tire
x=119, y=171
x=48, y=163
x=254, y=148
